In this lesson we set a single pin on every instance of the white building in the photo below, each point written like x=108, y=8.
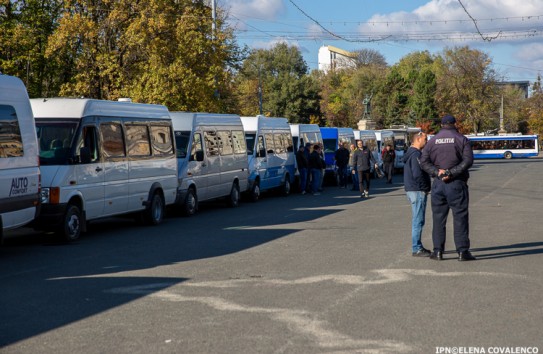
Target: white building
x=331, y=57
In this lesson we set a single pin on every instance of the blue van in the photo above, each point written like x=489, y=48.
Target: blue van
x=331, y=138
x=271, y=155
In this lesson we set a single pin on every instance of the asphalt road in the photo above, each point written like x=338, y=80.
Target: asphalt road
x=299, y=274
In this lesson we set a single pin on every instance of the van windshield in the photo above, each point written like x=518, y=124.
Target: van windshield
x=182, y=143
x=55, y=140
x=330, y=145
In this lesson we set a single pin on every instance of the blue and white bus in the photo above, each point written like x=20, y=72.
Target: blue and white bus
x=504, y=146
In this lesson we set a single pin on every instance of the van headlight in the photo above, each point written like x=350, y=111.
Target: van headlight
x=44, y=195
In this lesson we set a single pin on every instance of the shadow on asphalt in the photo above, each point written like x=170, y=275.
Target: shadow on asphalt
x=48, y=284
x=517, y=249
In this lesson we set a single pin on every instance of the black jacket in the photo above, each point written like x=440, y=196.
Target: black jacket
x=414, y=178
x=301, y=159
x=362, y=159
x=315, y=161
x=448, y=150
x=342, y=157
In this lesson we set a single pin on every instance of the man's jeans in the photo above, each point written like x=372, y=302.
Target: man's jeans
x=418, y=206
x=316, y=175
x=303, y=178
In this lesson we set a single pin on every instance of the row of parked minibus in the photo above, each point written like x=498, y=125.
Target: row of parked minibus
x=64, y=161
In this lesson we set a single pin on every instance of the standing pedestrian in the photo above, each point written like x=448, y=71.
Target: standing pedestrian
x=354, y=175
x=362, y=159
x=342, y=161
x=388, y=155
x=315, y=168
x=303, y=165
x=447, y=157
x=417, y=185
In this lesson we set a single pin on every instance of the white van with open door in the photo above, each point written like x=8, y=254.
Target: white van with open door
x=19, y=166
x=103, y=158
x=211, y=157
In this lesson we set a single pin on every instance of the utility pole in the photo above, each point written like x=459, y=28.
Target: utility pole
x=213, y=33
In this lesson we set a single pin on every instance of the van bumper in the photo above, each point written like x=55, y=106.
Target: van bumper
x=51, y=216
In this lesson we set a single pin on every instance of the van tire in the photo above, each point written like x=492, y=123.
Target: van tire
x=508, y=155
x=255, y=192
x=286, y=188
x=71, y=227
x=190, y=204
x=233, y=198
x=154, y=213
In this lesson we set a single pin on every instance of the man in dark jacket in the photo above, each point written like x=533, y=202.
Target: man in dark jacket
x=342, y=161
x=447, y=157
x=303, y=165
x=362, y=159
x=388, y=155
x=417, y=186
x=316, y=164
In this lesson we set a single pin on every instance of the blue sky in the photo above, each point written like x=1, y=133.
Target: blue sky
x=398, y=27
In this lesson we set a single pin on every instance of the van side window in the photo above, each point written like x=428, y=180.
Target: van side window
x=287, y=139
x=196, y=147
x=162, y=140
x=11, y=144
x=181, y=143
x=279, y=143
x=270, y=147
x=260, y=148
x=137, y=137
x=89, y=142
x=212, y=143
x=112, y=140
x=225, y=138
x=239, y=142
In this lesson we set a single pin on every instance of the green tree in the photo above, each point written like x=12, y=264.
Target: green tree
x=281, y=75
x=534, y=108
x=24, y=30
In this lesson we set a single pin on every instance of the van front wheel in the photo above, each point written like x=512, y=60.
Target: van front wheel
x=154, y=213
x=233, y=198
x=255, y=192
x=190, y=205
x=70, y=229
x=286, y=186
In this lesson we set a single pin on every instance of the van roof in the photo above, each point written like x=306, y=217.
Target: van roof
x=12, y=89
x=84, y=107
x=185, y=121
x=262, y=122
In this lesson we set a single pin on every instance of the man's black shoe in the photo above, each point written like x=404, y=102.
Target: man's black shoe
x=423, y=252
x=466, y=256
x=437, y=256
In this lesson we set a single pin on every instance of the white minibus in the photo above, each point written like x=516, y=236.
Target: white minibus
x=305, y=133
x=271, y=154
x=19, y=166
x=103, y=158
x=211, y=158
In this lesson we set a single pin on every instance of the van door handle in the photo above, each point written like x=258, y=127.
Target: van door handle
x=203, y=164
x=98, y=169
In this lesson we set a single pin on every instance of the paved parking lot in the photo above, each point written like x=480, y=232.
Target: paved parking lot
x=303, y=274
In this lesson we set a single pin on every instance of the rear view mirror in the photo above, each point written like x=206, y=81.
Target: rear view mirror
x=85, y=155
x=199, y=155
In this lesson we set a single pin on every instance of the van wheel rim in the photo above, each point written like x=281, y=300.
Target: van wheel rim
x=73, y=225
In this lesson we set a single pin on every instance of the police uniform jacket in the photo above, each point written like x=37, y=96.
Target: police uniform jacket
x=448, y=150
x=362, y=159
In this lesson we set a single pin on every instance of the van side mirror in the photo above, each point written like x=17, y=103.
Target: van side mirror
x=85, y=155
x=199, y=155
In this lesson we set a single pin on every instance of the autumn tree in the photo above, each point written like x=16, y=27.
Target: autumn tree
x=467, y=88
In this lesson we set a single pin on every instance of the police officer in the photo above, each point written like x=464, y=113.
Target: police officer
x=447, y=157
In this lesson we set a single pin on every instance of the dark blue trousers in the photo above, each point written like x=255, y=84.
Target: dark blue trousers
x=454, y=196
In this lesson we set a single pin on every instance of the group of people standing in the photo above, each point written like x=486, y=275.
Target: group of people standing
x=310, y=162
x=446, y=158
